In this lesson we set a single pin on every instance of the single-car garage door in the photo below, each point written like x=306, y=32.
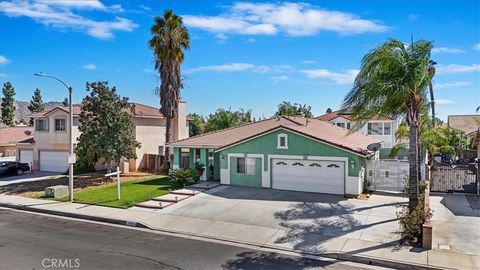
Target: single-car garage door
x=51, y=161
x=26, y=156
x=322, y=176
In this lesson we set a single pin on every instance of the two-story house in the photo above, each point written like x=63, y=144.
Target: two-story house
x=48, y=151
x=379, y=127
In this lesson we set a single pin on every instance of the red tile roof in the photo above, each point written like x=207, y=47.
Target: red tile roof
x=139, y=110
x=313, y=128
x=11, y=135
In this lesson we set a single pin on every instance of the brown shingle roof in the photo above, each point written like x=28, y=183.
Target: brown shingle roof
x=464, y=123
x=315, y=129
x=11, y=135
x=140, y=110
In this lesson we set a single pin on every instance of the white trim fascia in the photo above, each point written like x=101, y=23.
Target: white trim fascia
x=192, y=146
x=288, y=130
x=279, y=136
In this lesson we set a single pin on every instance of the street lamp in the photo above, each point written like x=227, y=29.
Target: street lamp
x=71, y=158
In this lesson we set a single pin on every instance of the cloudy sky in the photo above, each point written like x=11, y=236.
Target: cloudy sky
x=250, y=55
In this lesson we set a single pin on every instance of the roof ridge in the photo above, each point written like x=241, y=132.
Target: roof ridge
x=145, y=105
x=221, y=130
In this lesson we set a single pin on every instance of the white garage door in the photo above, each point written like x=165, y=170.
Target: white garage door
x=51, y=161
x=322, y=176
x=26, y=156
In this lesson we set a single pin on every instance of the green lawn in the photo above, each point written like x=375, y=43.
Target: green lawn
x=132, y=192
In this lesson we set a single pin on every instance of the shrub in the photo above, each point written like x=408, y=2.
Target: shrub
x=182, y=176
x=411, y=220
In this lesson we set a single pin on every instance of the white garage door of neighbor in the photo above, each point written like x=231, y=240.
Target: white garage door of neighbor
x=26, y=156
x=51, y=161
x=322, y=176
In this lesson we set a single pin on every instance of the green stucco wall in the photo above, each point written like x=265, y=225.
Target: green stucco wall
x=247, y=180
x=297, y=145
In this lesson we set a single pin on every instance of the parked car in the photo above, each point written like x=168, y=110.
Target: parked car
x=12, y=167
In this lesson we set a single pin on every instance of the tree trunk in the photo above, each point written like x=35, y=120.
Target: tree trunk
x=413, y=166
x=432, y=102
x=168, y=137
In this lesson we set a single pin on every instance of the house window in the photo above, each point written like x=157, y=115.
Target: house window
x=342, y=125
x=246, y=166
x=387, y=128
x=60, y=124
x=282, y=141
x=41, y=125
x=375, y=128
x=348, y=125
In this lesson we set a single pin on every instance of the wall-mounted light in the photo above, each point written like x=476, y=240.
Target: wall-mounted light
x=352, y=164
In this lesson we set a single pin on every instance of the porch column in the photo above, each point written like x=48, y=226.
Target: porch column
x=204, y=161
x=216, y=166
x=177, y=155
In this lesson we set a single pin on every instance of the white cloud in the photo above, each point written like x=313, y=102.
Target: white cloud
x=293, y=19
x=447, y=50
x=250, y=40
x=451, y=84
x=147, y=70
x=413, y=17
x=280, y=78
x=59, y=15
x=476, y=46
x=3, y=75
x=90, y=66
x=307, y=62
x=4, y=60
x=455, y=69
x=146, y=8
x=441, y=102
x=346, y=77
x=241, y=67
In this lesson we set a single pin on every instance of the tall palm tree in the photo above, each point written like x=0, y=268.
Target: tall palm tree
x=392, y=81
x=432, y=70
x=169, y=40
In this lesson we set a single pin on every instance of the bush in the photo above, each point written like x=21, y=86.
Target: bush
x=182, y=176
x=411, y=220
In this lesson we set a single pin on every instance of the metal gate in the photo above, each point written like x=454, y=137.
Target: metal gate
x=446, y=178
x=388, y=175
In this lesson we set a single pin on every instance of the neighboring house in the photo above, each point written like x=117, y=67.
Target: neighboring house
x=379, y=127
x=49, y=148
x=9, y=136
x=466, y=124
x=289, y=153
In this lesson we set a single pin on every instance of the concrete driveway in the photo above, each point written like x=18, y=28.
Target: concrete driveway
x=294, y=220
x=27, y=177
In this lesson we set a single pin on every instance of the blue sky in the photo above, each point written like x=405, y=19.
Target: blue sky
x=250, y=55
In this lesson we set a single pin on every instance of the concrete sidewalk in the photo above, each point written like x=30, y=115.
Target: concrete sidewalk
x=338, y=247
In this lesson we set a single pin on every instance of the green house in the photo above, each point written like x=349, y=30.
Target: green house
x=289, y=153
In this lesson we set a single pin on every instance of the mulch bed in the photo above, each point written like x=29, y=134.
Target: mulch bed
x=35, y=186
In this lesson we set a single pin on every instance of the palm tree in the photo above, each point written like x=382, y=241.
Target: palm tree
x=169, y=40
x=431, y=71
x=392, y=81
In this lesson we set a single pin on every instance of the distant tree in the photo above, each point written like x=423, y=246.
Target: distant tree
x=222, y=119
x=36, y=104
x=169, y=40
x=289, y=109
x=65, y=102
x=329, y=110
x=7, y=105
x=106, y=126
x=23, y=121
x=196, y=125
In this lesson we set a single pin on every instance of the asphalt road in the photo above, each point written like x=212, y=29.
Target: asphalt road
x=32, y=241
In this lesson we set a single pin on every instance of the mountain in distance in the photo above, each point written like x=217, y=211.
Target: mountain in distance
x=21, y=108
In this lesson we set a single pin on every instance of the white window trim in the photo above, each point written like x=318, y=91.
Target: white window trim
x=47, y=124
x=55, y=124
x=282, y=135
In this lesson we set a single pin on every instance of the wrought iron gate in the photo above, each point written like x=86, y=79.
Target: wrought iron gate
x=446, y=178
x=387, y=175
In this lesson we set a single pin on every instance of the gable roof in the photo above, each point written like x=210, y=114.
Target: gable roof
x=347, y=114
x=312, y=128
x=463, y=123
x=139, y=110
x=12, y=135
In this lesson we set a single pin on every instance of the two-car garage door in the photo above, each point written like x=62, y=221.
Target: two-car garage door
x=322, y=176
x=53, y=161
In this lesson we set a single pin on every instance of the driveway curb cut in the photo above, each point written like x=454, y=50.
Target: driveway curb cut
x=332, y=255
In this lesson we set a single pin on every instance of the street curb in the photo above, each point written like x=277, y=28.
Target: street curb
x=332, y=255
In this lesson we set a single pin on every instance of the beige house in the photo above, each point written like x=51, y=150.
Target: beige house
x=9, y=137
x=48, y=151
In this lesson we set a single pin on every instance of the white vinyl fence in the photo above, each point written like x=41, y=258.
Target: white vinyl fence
x=388, y=175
